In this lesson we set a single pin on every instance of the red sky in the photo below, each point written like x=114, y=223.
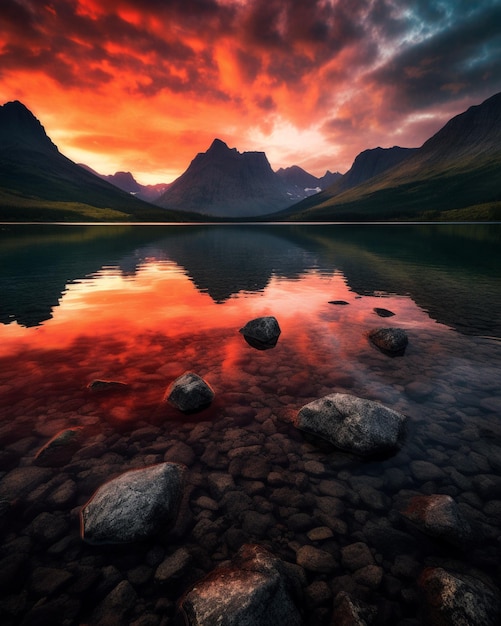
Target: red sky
x=143, y=85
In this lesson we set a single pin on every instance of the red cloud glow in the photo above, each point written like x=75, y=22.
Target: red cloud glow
x=145, y=85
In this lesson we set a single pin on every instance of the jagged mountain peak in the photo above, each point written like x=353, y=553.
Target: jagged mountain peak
x=218, y=145
x=20, y=128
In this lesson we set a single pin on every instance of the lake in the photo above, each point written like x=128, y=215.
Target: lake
x=142, y=304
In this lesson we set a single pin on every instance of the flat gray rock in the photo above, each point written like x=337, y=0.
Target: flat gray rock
x=253, y=590
x=133, y=506
x=261, y=333
x=189, y=393
x=353, y=424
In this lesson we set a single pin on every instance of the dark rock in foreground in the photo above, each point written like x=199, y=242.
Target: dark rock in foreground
x=133, y=506
x=438, y=516
x=262, y=333
x=254, y=589
x=353, y=424
x=455, y=599
x=59, y=450
x=189, y=393
x=391, y=341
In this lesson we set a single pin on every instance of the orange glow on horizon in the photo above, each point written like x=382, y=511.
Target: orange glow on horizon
x=144, y=87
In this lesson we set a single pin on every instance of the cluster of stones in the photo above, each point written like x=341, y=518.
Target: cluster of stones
x=255, y=587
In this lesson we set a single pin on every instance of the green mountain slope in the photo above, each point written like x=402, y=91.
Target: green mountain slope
x=38, y=183
x=455, y=175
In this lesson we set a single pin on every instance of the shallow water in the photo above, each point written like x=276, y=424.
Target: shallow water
x=142, y=305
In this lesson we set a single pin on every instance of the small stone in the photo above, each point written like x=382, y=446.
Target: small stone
x=220, y=483
x=339, y=302
x=315, y=560
x=261, y=333
x=46, y=581
x=320, y=533
x=180, y=452
x=425, y=471
x=356, y=556
x=173, y=566
x=107, y=385
x=256, y=524
x=48, y=528
x=204, y=502
x=116, y=606
x=21, y=481
x=383, y=312
x=352, y=612
x=318, y=593
x=315, y=468
x=439, y=516
x=370, y=576
x=391, y=341
x=189, y=393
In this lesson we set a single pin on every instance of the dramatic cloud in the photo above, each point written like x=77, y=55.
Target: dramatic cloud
x=143, y=85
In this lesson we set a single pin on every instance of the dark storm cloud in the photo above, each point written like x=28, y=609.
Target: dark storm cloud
x=461, y=57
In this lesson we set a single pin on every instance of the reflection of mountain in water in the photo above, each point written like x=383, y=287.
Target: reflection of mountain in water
x=450, y=271
x=223, y=261
x=38, y=262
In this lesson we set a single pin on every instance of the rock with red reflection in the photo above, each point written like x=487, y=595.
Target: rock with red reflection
x=189, y=393
x=360, y=426
x=59, y=450
x=134, y=505
x=254, y=589
x=261, y=333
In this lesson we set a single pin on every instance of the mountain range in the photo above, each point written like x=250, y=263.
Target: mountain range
x=38, y=183
x=223, y=182
x=455, y=175
x=126, y=182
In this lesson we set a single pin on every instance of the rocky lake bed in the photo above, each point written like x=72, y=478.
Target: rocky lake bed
x=410, y=536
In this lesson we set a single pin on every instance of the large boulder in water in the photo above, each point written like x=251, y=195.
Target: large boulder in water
x=391, y=341
x=457, y=599
x=439, y=516
x=134, y=505
x=189, y=393
x=262, y=333
x=353, y=424
x=254, y=589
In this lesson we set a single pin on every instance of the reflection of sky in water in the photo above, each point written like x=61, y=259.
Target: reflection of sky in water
x=144, y=307
x=148, y=327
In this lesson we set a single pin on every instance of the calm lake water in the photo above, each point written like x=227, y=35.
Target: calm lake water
x=144, y=304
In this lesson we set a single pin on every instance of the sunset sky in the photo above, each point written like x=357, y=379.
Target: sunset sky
x=143, y=85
